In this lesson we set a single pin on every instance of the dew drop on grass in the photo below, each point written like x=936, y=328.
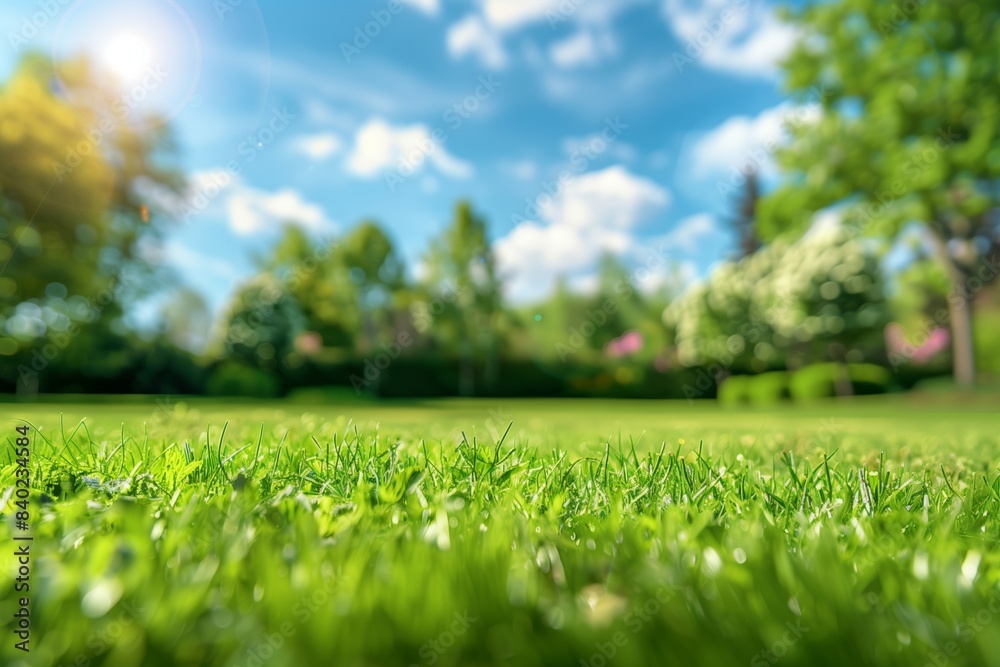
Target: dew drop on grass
x=739, y=555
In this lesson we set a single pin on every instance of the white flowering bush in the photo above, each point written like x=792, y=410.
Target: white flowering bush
x=817, y=299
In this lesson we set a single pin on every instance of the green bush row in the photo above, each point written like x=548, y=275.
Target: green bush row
x=809, y=383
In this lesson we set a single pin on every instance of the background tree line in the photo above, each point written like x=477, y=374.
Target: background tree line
x=906, y=147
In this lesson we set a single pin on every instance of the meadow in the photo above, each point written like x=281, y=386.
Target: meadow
x=584, y=533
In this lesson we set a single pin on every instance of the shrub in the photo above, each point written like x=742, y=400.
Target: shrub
x=813, y=382
x=768, y=388
x=735, y=390
x=987, y=350
x=870, y=379
x=820, y=381
x=233, y=379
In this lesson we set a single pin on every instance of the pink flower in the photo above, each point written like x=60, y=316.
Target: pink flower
x=309, y=342
x=936, y=341
x=628, y=343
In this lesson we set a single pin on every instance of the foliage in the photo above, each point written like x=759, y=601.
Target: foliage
x=820, y=380
x=907, y=132
x=72, y=224
x=232, y=378
x=317, y=275
x=262, y=326
x=461, y=272
x=788, y=303
x=75, y=235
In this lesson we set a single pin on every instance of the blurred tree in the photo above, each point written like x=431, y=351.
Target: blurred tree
x=908, y=133
x=920, y=297
x=461, y=271
x=76, y=237
x=318, y=277
x=377, y=272
x=260, y=327
x=827, y=302
x=746, y=221
x=715, y=321
x=789, y=304
x=614, y=308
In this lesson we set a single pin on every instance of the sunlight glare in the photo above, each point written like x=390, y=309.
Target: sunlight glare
x=128, y=55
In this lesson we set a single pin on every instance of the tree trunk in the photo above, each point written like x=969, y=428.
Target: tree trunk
x=962, y=343
x=963, y=350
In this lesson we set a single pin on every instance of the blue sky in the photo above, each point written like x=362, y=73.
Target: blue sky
x=629, y=112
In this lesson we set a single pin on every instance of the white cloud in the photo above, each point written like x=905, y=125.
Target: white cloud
x=746, y=39
x=379, y=147
x=431, y=7
x=595, y=214
x=319, y=146
x=744, y=142
x=611, y=198
x=690, y=234
x=582, y=48
x=251, y=211
x=482, y=34
x=510, y=14
x=217, y=193
x=473, y=36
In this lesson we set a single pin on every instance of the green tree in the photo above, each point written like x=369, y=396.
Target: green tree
x=377, y=271
x=75, y=233
x=462, y=272
x=260, y=327
x=908, y=133
x=318, y=277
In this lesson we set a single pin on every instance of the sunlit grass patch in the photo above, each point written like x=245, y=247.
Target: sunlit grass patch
x=184, y=542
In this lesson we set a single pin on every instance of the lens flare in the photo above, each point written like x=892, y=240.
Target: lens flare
x=128, y=55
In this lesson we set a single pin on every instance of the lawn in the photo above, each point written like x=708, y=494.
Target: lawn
x=506, y=532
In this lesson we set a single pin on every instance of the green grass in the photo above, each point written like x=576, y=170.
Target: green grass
x=593, y=533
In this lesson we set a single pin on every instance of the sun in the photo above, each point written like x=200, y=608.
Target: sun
x=128, y=55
